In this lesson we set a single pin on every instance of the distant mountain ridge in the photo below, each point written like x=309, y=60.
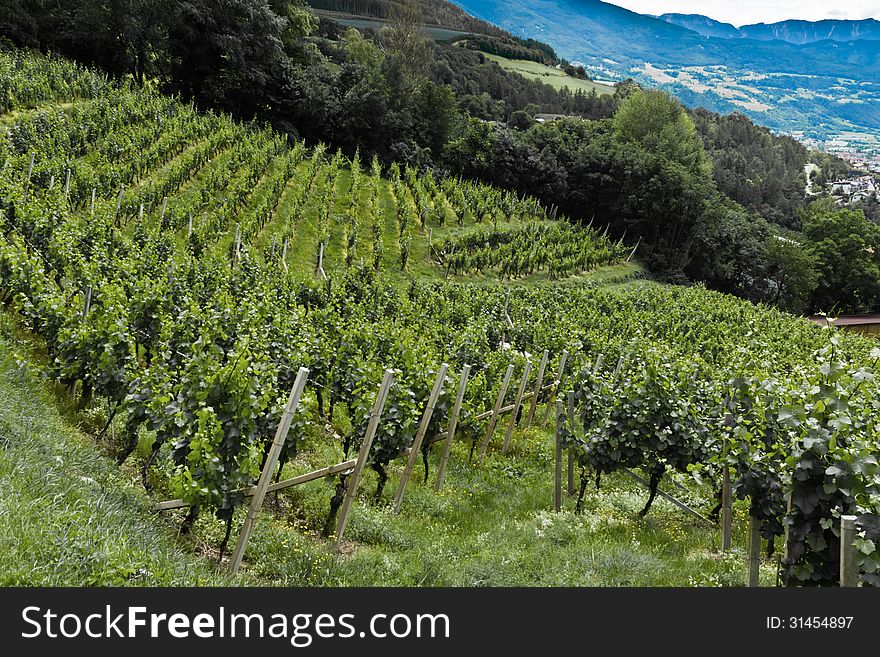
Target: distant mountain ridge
x=819, y=88
x=798, y=32
x=702, y=25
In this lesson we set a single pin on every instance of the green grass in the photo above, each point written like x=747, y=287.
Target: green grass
x=490, y=526
x=555, y=77
x=68, y=515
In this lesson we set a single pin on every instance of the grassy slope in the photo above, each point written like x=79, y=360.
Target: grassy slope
x=68, y=515
x=549, y=75
x=491, y=526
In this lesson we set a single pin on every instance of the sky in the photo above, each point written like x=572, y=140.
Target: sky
x=743, y=12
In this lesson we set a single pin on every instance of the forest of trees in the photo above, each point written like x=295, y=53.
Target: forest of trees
x=707, y=198
x=510, y=47
x=432, y=12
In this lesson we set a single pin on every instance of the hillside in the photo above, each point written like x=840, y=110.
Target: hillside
x=174, y=283
x=819, y=87
x=549, y=75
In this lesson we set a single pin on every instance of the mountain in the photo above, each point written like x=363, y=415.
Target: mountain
x=702, y=25
x=791, y=31
x=801, y=32
x=820, y=88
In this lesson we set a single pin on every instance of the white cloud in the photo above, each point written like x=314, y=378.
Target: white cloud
x=742, y=12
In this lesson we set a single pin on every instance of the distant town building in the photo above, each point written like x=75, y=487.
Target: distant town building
x=854, y=190
x=544, y=118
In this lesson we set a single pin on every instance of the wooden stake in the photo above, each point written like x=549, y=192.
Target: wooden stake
x=666, y=496
x=119, y=199
x=785, y=526
x=164, y=207
x=87, y=304
x=557, y=494
x=336, y=468
x=556, y=385
x=268, y=469
x=537, y=391
x=754, y=551
x=516, y=406
x=571, y=451
x=284, y=255
x=453, y=423
x=30, y=172
x=849, y=569
x=502, y=392
x=726, y=511
x=354, y=482
x=94, y=191
x=189, y=228
x=321, y=273
x=67, y=184
x=420, y=436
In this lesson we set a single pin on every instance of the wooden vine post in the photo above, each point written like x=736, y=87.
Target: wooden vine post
x=321, y=274
x=372, y=425
x=27, y=184
x=87, y=306
x=516, y=406
x=537, y=391
x=268, y=468
x=453, y=424
x=490, y=430
x=556, y=385
x=754, y=550
x=571, y=451
x=557, y=489
x=726, y=511
x=420, y=436
x=849, y=569
x=119, y=201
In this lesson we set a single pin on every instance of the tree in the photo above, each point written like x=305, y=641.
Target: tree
x=470, y=154
x=228, y=54
x=408, y=53
x=435, y=116
x=847, y=248
x=658, y=123
x=793, y=275
x=521, y=120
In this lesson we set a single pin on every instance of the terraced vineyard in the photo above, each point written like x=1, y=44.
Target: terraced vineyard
x=179, y=268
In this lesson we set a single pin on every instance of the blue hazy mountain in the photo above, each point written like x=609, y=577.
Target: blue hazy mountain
x=782, y=77
x=793, y=31
x=703, y=25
